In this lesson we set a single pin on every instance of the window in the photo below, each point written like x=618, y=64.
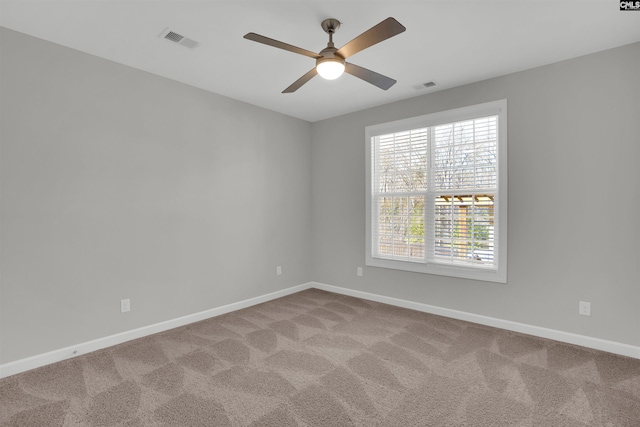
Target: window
x=437, y=193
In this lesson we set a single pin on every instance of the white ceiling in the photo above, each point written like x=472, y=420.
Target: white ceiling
x=449, y=42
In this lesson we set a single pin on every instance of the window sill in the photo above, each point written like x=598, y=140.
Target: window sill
x=486, y=274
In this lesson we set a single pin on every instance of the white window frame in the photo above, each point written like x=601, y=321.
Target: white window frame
x=497, y=273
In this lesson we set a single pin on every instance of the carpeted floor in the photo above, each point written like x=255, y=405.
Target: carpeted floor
x=321, y=359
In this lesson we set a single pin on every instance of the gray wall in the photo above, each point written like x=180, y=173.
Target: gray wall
x=116, y=183
x=574, y=199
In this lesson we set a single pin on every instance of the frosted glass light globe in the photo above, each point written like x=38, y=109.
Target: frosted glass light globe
x=330, y=69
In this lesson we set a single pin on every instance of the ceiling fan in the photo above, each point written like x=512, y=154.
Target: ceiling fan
x=330, y=62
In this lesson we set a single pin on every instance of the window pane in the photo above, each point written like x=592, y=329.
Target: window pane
x=402, y=161
x=465, y=154
x=483, y=232
x=401, y=227
x=464, y=228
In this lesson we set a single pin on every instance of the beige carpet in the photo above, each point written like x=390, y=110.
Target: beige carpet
x=322, y=359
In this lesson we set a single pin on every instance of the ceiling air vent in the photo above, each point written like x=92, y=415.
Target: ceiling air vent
x=424, y=85
x=179, y=39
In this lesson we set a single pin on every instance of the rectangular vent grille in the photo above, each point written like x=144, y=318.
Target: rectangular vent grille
x=174, y=37
x=179, y=39
x=425, y=85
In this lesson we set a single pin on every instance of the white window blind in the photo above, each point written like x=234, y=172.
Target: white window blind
x=434, y=194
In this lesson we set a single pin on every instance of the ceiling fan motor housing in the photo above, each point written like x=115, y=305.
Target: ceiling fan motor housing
x=329, y=54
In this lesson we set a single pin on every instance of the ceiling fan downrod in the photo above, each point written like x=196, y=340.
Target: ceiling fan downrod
x=331, y=65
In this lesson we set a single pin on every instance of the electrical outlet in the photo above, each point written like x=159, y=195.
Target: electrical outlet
x=584, y=308
x=125, y=305
x=279, y=270
x=359, y=271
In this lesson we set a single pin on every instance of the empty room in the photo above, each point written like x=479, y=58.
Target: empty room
x=319, y=213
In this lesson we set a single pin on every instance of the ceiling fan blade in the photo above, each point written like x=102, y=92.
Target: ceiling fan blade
x=384, y=30
x=383, y=82
x=302, y=80
x=280, y=45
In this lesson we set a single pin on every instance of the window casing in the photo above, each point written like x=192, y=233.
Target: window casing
x=436, y=193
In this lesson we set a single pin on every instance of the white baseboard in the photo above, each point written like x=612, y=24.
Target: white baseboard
x=567, y=337
x=39, y=360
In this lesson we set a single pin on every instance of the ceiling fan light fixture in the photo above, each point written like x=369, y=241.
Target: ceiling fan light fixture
x=330, y=69
x=330, y=62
